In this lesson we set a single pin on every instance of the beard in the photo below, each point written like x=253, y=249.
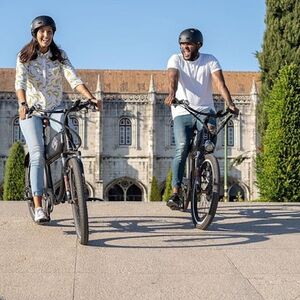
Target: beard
x=190, y=55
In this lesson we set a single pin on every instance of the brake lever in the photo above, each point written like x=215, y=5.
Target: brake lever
x=36, y=107
x=180, y=102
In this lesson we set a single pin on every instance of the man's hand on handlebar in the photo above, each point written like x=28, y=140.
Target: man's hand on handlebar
x=170, y=99
x=234, y=110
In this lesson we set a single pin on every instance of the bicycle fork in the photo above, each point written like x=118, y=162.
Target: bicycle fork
x=198, y=159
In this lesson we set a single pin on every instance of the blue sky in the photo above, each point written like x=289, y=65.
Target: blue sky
x=137, y=34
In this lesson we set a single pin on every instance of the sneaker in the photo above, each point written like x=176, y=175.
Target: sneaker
x=39, y=215
x=174, y=202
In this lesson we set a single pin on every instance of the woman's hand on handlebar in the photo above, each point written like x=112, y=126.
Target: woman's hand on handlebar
x=97, y=104
x=23, y=111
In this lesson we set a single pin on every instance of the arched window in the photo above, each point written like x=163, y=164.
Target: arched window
x=134, y=193
x=17, y=133
x=172, y=136
x=125, y=190
x=230, y=133
x=74, y=124
x=116, y=193
x=125, y=132
x=236, y=193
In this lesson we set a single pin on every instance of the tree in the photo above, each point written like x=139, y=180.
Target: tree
x=278, y=166
x=14, y=175
x=168, y=189
x=280, y=47
x=155, y=193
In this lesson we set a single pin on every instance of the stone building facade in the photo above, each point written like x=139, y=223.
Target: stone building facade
x=131, y=139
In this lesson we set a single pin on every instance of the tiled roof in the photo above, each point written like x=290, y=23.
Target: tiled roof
x=137, y=81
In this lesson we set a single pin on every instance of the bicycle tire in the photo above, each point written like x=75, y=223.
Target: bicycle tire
x=79, y=207
x=206, y=191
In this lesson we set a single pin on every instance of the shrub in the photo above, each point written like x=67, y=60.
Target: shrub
x=14, y=176
x=155, y=193
x=168, y=189
x=278, y=166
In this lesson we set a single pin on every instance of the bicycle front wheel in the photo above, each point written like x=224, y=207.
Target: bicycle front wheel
x=78, y=200
x=206, y=191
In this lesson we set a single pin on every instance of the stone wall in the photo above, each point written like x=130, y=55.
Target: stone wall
x=151, y=152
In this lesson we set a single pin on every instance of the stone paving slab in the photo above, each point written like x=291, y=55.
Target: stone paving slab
x=146, y=251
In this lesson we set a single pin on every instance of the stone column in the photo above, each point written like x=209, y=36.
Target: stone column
x=151, y=144
x=254, y=99
x=99, y=144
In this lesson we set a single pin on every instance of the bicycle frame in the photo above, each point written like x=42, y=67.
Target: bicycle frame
x=69, y=149
x=72, y=183
x=198, y=148
x=220, y=114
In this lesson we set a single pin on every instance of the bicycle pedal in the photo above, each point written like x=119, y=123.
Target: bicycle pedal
x=175, y=208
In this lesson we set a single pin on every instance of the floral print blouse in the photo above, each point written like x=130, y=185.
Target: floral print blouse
x=42, y=79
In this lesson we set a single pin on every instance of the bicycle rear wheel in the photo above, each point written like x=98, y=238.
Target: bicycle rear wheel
x=79, y=208
x=206, y=191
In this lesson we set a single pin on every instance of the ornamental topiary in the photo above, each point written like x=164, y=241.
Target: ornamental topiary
x=14, y=176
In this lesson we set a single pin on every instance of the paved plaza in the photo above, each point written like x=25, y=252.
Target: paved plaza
x=146, y=251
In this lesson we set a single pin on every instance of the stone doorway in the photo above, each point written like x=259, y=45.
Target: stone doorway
x=124, y=190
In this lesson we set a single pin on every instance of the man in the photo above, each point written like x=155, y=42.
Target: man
x=190, y=77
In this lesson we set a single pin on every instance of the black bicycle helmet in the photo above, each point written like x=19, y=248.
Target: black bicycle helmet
x=42, y=21
x=191, y=35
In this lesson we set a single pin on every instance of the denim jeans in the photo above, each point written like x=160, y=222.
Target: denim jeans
x=32, y=130
x=184, y=127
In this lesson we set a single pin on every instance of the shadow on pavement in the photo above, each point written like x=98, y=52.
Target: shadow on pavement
x=233, y=225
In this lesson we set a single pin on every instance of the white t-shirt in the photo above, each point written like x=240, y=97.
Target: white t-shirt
x=194, y=83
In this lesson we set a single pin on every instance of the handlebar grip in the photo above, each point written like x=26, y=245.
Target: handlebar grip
x=31, y=110
x=228, y=110
x=91, y=105
x=177, y=101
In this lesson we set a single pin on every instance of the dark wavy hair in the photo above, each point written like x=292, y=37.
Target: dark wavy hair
x=29, y=52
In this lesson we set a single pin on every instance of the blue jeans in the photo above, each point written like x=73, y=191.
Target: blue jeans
x=32, y=130
x=184, y=127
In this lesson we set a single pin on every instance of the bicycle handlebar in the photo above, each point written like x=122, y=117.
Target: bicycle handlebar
x=185, y=104
x=220, y=114
x=77, y=106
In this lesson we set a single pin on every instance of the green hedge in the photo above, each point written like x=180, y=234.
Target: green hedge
x=155, y=193
x=14, y=176
x=278, y=166
x=168, y=189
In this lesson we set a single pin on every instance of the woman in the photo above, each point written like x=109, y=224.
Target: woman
x=41, y=66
